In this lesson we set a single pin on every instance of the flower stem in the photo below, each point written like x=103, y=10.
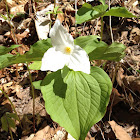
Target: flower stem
x=11, y=105
x=11, y=133
x=102, y=28
x=33, y=94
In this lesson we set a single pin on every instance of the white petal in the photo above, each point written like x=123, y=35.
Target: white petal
x=60, y=37
x=79, y=60
x=53, y=60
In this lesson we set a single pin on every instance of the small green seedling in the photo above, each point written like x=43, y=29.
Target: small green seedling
x=55, y=11
x=8, y=122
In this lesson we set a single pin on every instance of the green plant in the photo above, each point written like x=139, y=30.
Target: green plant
x=55, y=11
x=8, y=122
x=87, y=12
x=74, y=99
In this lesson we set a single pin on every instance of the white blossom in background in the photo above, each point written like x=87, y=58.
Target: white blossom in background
x=64, y=52
x=42, y=22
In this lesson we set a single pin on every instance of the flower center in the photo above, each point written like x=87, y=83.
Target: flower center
x=67, y=50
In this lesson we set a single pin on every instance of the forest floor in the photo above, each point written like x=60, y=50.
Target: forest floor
x=122, y=119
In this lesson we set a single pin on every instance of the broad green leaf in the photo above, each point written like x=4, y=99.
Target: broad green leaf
x=87, y=12
x=78, y=101
x=37, y=84
x=82, y=41
x=113, y=52
x=99, y=50
x=102, y=1
x=5, y=60
x=34, y=54
x=84, y=13
x=86, y=42
x=36, y=65
x=37, y=50
x=4, y=50
x=119, y=12
x=4, y=123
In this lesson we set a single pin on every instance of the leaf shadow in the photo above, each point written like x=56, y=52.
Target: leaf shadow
x=59, y=87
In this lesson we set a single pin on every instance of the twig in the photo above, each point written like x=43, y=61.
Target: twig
x=110, y=112
x=96, y=26
x=84, y=28
x=114, y=76
x=75, y=13
x=110, y=25
x=8, y=17
x=101, y=131
x=102, y=26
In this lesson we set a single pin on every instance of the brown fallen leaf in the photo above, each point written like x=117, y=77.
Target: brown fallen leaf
x=120, y=133
x=135, y=35
x=120, y=76
x=132, y=82
x=12, y=3
x=17, y=9
x=47, y=133
x=135, y=138
x=116, y=97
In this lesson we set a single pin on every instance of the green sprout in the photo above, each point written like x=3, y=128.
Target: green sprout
x=55, y=11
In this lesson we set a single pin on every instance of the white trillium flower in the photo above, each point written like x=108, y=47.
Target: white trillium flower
x=64, y=52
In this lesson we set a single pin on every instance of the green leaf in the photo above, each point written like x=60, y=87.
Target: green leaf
x=99, y=50
x=138, y=71
x=85, y=42
x=20, y=14
x=7, y=121
x=11, y=122
x=59, y=12
x=4, y=50
x=12, y=115
x=102, y=1
x=34, y=54
x=37, y=84
x=11, y=16
x=82, y=41
x=5, y=60
x=4, y=17
x=87, y=12
x=55, y=9
x=78, y=101
x=102, y=51
x=36, y=65
x=119, y=12
x=4, y=123
x=50, y=12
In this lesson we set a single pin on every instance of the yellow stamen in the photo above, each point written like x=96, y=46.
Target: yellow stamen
x=68, y=50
